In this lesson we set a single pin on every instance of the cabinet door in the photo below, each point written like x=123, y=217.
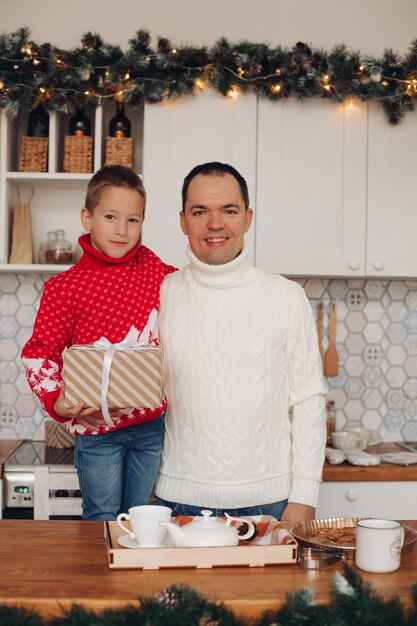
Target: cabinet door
x=392, y=214
x=180, y=135
x=311, y=188
x=390, y=500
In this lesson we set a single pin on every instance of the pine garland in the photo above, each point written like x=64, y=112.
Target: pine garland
x=352, y=602
x=64, y=79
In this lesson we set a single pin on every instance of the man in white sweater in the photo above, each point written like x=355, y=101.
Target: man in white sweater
x=240, y=351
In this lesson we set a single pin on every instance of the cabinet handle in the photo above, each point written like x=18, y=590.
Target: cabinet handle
x=379, y=265
x=352, y=495
x=354, y=265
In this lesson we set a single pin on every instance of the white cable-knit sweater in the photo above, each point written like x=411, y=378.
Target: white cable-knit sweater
x=240, y=350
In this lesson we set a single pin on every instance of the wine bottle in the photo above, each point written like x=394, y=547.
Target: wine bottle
x=120, y=125
x=38, y=122
x=79, y=124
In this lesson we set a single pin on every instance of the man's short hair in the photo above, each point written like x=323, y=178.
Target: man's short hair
x=112, y=176
x=215, y=168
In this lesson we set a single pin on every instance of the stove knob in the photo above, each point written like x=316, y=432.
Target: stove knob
x=61, y=493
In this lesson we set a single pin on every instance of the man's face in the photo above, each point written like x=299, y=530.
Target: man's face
x=116, y=221
x=215, y=219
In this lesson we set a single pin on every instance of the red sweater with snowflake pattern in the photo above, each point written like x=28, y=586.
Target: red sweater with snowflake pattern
x=98, y=297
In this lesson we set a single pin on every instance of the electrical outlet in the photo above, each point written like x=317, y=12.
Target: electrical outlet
x=8, y=417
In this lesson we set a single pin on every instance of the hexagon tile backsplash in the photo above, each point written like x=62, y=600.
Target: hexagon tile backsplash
x=376, y=340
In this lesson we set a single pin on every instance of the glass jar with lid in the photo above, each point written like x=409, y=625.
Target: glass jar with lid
x=59, y=250
x=50, y=237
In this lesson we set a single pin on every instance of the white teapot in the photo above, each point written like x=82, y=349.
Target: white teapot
x=206, y=531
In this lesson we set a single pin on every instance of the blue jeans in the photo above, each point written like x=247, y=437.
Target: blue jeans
x=117, y=470
x=275, y=509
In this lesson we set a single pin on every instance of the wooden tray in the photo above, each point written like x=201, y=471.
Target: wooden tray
x=200, y=558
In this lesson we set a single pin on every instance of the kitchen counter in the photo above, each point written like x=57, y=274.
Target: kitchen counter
x=49, y=565
x=345, y=472
x=6, y=449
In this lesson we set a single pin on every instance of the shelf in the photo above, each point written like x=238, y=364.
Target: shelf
x=33, y=268
x=48, y=180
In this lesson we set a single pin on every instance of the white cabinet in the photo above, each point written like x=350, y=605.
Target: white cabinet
x=331, y=184
x=180, y=135
x=311, y=188
x=57, y=196
x=385, y=499
x=392, y=212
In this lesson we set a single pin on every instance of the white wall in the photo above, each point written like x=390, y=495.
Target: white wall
x=366, y=25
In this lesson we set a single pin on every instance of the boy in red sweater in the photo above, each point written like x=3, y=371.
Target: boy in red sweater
x=112, y=292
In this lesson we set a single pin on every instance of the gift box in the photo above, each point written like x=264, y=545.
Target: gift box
x=133, y=376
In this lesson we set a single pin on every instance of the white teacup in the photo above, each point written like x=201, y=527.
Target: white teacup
x=144, y=521
x=378, y=545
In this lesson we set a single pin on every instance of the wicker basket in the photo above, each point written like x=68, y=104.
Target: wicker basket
x=119, y=151
x=78, y=154
x=33, y=154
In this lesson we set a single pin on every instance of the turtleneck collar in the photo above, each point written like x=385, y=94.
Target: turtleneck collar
x=219, y=275
x=94, y=259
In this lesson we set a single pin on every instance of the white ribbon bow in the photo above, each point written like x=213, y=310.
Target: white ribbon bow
x=126, y=345
x=104, y=344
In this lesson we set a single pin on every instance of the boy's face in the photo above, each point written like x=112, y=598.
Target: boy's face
x=116, y=221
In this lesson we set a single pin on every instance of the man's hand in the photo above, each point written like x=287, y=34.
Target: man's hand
x=298, y=513
x=91, y=418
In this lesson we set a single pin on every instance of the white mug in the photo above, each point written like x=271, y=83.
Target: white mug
x=378, y=545
x=364, y=435
x=144, y=521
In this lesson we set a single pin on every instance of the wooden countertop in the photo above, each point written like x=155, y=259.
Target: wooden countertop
x=48, y=565
x=6, y=449
x=345, y=472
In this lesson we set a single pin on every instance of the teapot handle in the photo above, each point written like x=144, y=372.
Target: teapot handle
x=251, y=527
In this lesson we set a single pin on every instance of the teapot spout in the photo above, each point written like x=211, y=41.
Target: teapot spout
x=175, y=532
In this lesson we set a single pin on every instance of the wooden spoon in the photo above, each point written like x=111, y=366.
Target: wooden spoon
x=320, y=328
x=331, y=358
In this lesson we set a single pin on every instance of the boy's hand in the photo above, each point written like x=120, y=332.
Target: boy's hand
x=91, y=418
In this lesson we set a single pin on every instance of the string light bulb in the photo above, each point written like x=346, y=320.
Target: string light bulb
x=127, y=75
x=232, y=93
x=42, y=89
x=199, y=84
x=276, y=88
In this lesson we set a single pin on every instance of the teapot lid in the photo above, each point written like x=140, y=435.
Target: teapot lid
x=205, y=520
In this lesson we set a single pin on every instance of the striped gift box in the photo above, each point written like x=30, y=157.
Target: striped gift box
x=136, y=377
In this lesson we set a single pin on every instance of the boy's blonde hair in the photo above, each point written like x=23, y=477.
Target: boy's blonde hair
x=112, y=176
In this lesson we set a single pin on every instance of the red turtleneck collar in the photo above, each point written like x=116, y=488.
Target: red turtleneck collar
x=95, y=259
